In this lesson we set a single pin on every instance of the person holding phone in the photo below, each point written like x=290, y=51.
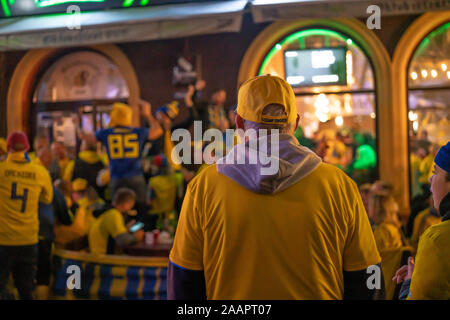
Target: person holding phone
x=109, y=232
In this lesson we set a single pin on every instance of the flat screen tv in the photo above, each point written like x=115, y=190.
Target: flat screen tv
x=316, y=67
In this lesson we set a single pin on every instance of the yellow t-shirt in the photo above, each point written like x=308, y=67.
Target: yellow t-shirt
x=84, y=217
x=422, y=222
x=164, y=188
x=109, y=224
x=23, y=185
x=294, y=244
x=431, y=276
x=387, y=236
x=62, y=166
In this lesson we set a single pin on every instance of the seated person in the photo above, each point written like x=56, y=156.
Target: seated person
x=387, y=227
x=85, y=200
x=109, y=231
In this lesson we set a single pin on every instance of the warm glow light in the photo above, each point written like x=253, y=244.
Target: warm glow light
x=448, y=74
x=434, y=73
x=349, y=63
x=321, y=102
x=414, y=75
x=424, y=73
x=412, y=116
x=415, y=126
x=444, y=67
x=347, y=103
x=339, y=121
x=322, y=107
x=373, y=115
x=322, y=117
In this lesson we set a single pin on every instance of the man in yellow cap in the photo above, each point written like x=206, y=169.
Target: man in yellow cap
x=124, y=146
x=297, y=232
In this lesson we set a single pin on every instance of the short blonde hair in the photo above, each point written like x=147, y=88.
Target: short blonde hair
x=377, y=203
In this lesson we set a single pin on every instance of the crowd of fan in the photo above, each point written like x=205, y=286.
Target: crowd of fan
x=101, y=193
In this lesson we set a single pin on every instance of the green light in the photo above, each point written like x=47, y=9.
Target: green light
x=5, y=6
x=129, y=3
x=50, y=3
x=349, y=41
x=296, y=36
x=425, y=42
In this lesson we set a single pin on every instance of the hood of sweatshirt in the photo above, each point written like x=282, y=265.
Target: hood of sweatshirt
x=276, y=166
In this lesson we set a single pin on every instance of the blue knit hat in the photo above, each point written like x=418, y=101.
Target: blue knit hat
x=442, y=159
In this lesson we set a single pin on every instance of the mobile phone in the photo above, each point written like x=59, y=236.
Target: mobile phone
x=137, y=226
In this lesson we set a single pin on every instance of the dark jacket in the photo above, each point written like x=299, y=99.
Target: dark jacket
x=89, y=170
x=157, y=146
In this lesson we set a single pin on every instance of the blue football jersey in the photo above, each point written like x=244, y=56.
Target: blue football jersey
x=124, y=147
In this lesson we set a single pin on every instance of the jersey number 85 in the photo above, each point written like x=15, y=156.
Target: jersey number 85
x=123, y=146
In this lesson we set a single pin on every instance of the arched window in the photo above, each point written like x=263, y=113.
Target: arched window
x=79, y=86
x=83, y=75
x=335, y=93
x=428, y=104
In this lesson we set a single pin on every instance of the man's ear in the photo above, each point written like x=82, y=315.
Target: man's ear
x=239, y=122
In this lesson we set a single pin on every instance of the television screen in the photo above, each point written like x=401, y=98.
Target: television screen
x=316, y=67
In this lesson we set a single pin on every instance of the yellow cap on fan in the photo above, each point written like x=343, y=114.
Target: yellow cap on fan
x=79, y=185
x=255, y=94
x=121, y=115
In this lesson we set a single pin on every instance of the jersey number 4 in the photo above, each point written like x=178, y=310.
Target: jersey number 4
x=123, y=146
x=23, y=197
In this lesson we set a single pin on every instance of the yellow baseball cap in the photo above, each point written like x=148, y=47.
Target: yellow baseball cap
x=120, y=116
x=79, y=185
x=255, y=94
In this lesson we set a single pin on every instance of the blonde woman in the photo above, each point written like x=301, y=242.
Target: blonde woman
x=386, y=224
